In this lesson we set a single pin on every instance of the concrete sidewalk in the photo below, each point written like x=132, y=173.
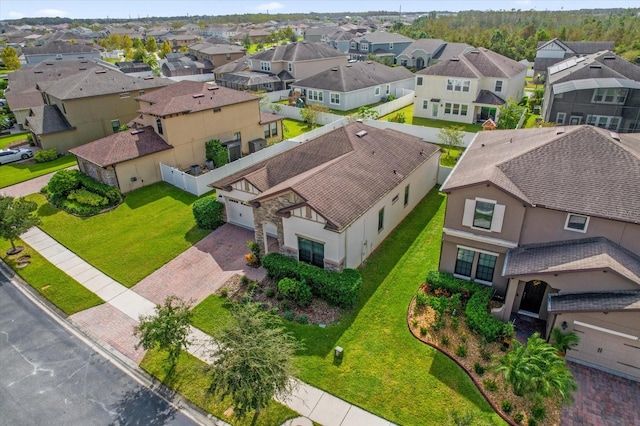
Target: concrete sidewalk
x=307, y=400
x=31, y=186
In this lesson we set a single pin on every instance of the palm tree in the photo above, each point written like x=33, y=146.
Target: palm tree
x=563, y=341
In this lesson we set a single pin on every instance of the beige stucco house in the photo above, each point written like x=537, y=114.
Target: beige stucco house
x=331, y=201
x=468, y=88
x=550, y=219
x=172, y=127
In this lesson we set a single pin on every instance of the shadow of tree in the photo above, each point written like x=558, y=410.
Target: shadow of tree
x=141, y=407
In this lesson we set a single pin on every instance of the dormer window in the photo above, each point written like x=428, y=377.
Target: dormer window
x=576, y=222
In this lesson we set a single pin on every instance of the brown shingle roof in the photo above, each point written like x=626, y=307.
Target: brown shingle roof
x=587, y=254
x=595, y=301
x=581, y=169
x=190, y=96
x=339, y=174
x=477, y=63
x=267, y=117
x=122, y=146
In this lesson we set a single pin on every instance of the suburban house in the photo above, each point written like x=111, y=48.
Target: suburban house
x=172, y=126
x=380, y=44
x=59, y=50
x=239, y=65
x=601, y=89
x=331, y=201
x=180, y=65
x=468, y=88
x=217, y=54
x=86, y=106
x=181, y=40
x=553, y=51
x=317, y=34
x=354, y=85
x=550, y=219
x=429, y=51
x=276, y=68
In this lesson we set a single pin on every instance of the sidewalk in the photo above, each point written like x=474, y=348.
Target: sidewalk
x=31, y=186
x=123, y=307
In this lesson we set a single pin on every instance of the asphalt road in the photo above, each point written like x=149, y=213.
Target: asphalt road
x=48, y=376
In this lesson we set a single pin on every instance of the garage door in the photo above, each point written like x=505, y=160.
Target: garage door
x=239, y=214
x=609, y=349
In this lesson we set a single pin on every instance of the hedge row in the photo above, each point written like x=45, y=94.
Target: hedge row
x=208, y=212
x=337, y=288
x=79, y=194
x=477, y=315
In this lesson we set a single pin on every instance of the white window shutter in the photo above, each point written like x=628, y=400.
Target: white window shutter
x=469, y=210
x=498, y=216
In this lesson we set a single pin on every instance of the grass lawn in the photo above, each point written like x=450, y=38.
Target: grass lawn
x=152, y=226
x=427, y=122
x=16, y=173
x=385, y=370
x=354, y=110
x=9, y=139
x=293, y=128
x=59, y=288
x=189, y=379
x=531, y=121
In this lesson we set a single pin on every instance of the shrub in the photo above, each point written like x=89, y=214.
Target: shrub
x=518, y=417
x=444, y=340
x=270, y=292
x=478, y=368
x=109, y=192
x=423, y=331
x=490, y=384
x=63, y=182
x=461, y=351
x=224, y=292
x=288, y=315
x=414, y=323
x=285, y=305
x=532, y=422
x=454, y=323
x=421, y=299
x=302, y=319
x=485, y=354
x=45, y=155
x=253, y=286
x=539, y=412
x=216, y=152
x=296, y=290
x=506, y=406
x=83, y=196
x=208, y=212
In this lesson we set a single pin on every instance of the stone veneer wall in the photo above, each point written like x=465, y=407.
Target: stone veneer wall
x=104, y=175
x=266, y=213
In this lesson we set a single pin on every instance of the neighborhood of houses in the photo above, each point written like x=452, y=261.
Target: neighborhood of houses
x=548, y=217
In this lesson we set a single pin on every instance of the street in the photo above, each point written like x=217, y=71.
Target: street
x=49, y=376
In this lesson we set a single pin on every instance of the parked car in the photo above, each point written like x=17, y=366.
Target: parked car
x=10, y=155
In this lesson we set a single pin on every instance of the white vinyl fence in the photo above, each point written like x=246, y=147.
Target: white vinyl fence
x=429, y=134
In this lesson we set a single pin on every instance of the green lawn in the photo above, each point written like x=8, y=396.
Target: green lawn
x=427, y=122
x=9, y=139
x=59, y=288
x=293, y=128
x=152, y=226
x=385, y=370
x=16, y=173
x=190, y=379
x=354, y=110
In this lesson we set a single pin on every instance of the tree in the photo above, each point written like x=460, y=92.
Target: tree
x=246, y=41
x=510, y=114
x=10, y=59
x=367, y=113
x=537, y=370
x=127, y=43
x=311, y=114
x=165, y=49
x=253, y=359
x=215, y=152
x=167, y=329
x=451, y=137
x=151, y=45
x=137, y=43
x=16, y=217
x=563, y=341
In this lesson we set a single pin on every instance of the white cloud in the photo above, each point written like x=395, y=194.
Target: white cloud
x=15, y=15
x=270, y=6
x=51, y=13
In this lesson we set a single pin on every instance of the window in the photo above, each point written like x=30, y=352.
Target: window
x=406, y=195
x=419, y=81
x=463, y=109
x=464, y=262
x=403, y=62
x=455, y=109
x=425, y=104
x=576, y=222
x=498, y=87
x=250, y=63
x=290, y=67
x=311, y=252
x=236, y=136
x=159, y=126
x=364, y=47
x=483, y=214
x=377, y=91
x=457, y=85
x=115, y=125
x=141, y=92
x=274, y=129
x=316, y=95
x=335, y=98
x=486, y=267
x=353, y=44
x=266, y=131
x=390, y=46
x=395, y=199
x=381, y=219
x=561, y=117
x=610, y=96
x=64, y=109
x=447, y=108
x=604, y=121
x=387, y=90
x=228, y=56
x=466, y=85
x=265, y=66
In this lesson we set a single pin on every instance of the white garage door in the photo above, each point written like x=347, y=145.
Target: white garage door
x=239, y=214
x=609, y=349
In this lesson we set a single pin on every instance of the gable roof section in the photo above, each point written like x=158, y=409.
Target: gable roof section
x=339, y=175
x=384, y=37
x=427, y=45
x=299, y=51
x=190, y=96
x=476, y=63
x=98, y=82
x=239, y=64
x=580, y=169
x=46, y=119
x=121, y=147
x=452, y=49
x=217, y=49
x=582, y=255
x=355, y=76
x=602, y=69
x=487, y=97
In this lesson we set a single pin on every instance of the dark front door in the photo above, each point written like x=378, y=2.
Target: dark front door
x=532, y=297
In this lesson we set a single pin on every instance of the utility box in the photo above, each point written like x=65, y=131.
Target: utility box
x=196, y=170
x=338, y=352
x=257, y=145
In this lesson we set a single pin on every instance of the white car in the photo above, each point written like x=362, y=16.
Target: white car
x=10, y=155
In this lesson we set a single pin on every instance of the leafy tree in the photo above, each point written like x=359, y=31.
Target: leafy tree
x=165, y=49
x=289, y=34
x=10, y=59
x=151, y=45
x=311, y=114
x=137, y=43
x=451, y=137
x=253, y=360
x=5, y=121
x=16, y=217
x=139, y=55
x=537, y=370
x=563, y=341
x=367, y=113
x=127, y=43
x=246, y=41
x=510, y=114
x=183, y=49
x=216, y=152
x=167, y=329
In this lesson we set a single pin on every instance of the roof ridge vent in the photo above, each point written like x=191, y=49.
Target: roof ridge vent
x=101, y=71
x=595, y=66
x=135, y=132
x=198, y=95
x=609, y=57
x=361, y=133
x=454, y=59
x=615, y=136
x=559, y=130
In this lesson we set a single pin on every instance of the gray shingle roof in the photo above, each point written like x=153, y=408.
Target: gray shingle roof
x=599, y=65
x=249, y=78
x=355, y=76
x=97, y=83
x=217, y=49
x=595, y=301
x=581, y=169
x=489, y=98
x=452, y=49
x=47, y=119
x=428, y=45
x=121, y=147
x=477, y=63
x=339, y=174
x=59, y=47
x=239, y=64
x=300, y=51
x=384, y=37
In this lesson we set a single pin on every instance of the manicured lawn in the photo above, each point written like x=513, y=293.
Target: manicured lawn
x=354, y=110
x=427, y=122
x=385, y=370
x=189, y=378
x=152, y=226
x=59, y=288
x=293, y=128
x=9, y=139
x=531, y=121
x=16, y=173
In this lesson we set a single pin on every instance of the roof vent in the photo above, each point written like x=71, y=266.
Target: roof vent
x=135, y=132
x=334, y=69
x=148, y=78
x=609, y=57
x=83, y=62
x=615, y=136
x=212, y=87
x=454, y=59
x=559, y=130
x=595, y=66
x=361, y=133
x=101, y=71
x=198, y=95
x=348, y=65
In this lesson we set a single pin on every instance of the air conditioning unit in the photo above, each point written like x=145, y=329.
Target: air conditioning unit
x=257, y=145
x=196, y=170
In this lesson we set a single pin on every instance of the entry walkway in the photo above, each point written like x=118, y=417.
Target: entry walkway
x=113, y=323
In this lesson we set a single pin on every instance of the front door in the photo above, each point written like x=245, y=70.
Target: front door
x=532, y=297
x=434, y=109
x=575, y=120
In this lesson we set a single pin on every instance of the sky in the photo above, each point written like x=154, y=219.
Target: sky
x=87, y=9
